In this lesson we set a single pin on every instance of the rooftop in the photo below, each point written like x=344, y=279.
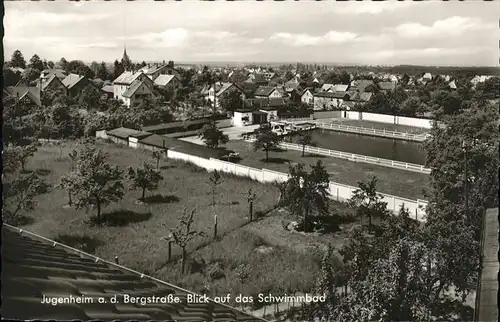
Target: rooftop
x=71, y=80
x=264, y=91
x=21, y=91
x=163, y=80
x=201, y=151
x=124, y=133
x=133, y=88
x=164, y=126
x=331, y=94
x=33, y=267
x=127, y=78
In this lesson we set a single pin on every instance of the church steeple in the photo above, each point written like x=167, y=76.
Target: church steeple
x=126, y=62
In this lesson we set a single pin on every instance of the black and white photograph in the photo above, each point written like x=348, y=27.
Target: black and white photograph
x=309, y=161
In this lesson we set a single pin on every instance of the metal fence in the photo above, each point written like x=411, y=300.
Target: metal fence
x=358, y=158
x=376, y=132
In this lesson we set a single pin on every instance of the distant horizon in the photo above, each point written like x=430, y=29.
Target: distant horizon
x=426, y=33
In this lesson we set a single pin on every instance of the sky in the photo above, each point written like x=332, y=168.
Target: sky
x=368, y=33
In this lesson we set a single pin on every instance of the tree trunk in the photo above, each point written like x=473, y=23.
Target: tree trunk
x=303, y=150
x=369, y=223
x=143, y=194
x=251, y=211
x=213, y=197
x=157, y=164
x=306, y=214
x=70, y=202
x=183, y=264
x=267, y=155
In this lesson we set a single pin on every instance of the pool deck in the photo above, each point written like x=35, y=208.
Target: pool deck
x=332, y=125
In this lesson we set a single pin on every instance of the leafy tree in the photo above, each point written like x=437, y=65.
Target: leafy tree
x=118, y=69
x=307, y=192
x=490, y=89
x=325, y=286
x=102, y=71
x=50, y=64
x=266, y=140
x=10, y=78
x=212, y=136
x=17, y=60
x=357, y=254
x=99, y=183
x=184, y=233
x=145, y=178
x=214, y=180
x=68, y=183
x=11, y=157
x=80, y=68
x=455, y=226
x=345, y=78
x=30, y=75
x=231, y=100
x=305, y=139
x=19, y=155
x=368, y=202
x=20, y=194
x=63, y=64
x=393, y=289
x=89, y=97
x=36, y=63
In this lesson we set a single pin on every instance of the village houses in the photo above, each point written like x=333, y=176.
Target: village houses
x=133, y=88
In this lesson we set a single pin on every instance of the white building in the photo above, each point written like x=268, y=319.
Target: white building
x=242, y=117
x=125, y=81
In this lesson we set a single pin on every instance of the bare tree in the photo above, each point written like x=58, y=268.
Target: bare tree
x=215, y=180
x=184, y=233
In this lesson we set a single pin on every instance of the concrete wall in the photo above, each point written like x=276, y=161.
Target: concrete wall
x=327, y=114
x=353, y=115
x=384, y=118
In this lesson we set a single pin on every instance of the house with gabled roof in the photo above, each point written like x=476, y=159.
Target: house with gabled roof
x=36, y=268
x=220, y=89
x=427, y=76
x=25, y=94
x=123, y=82
x=329, y=100
x=156, y=71
x=47, y=73
x=360, y=85
x=55, y=84
x=293, y=84
x=268, y=92
x=257, y=79
x=137, y=93
x=76, y=84
x=334, y=87
x=167, y=82
x=307, y=97
x=479, y=79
